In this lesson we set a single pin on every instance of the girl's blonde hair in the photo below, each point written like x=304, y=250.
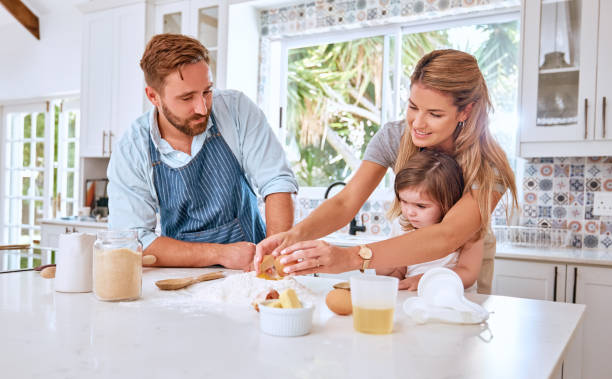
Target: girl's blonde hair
x=431, y=172
x=482, y=160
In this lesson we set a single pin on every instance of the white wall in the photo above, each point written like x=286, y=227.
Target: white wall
x=30, y=68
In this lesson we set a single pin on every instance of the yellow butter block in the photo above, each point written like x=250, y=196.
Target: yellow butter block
x=289, y=299
x=275, y=304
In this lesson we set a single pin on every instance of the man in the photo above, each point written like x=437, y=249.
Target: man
x=194, y=159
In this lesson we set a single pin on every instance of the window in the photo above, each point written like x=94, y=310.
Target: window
x=40, y=173
x=341, y=88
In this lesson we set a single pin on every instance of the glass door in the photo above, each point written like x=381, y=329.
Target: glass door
x=559, y=83
x=205, y=27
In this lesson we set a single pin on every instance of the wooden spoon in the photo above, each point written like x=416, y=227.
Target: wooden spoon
x=343, y=286
x=176, y=284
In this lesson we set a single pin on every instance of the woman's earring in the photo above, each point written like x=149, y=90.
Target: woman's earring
x=460, y=124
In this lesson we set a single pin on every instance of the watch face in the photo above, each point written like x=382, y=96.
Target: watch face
x=365, y=252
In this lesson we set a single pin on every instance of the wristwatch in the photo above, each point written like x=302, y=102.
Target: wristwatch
x=366, y=254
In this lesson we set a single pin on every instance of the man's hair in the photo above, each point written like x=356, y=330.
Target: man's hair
x=167, y=53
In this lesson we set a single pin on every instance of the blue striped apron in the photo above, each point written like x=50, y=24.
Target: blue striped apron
x=208, y=199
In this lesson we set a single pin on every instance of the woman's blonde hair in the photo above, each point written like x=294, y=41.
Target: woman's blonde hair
x=433, y=173
x=482, y=160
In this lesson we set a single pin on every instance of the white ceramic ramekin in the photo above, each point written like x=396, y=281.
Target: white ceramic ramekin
x=285, y=322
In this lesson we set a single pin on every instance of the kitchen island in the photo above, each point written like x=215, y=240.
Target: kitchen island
x=60, y=335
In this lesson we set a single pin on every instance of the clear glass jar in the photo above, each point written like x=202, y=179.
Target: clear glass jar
x=117, y=265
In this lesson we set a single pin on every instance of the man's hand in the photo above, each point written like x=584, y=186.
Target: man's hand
x=237, y=256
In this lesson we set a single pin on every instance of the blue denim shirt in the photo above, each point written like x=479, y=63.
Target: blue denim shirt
x=133, y=202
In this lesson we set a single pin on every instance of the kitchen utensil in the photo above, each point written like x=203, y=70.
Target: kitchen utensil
x=48, y=272
x=176, y=284
x=74, y=262
x=373, y=298
x=285, y=322
x=441, y=299
x=117, y=265
x=343, y=286
x=40, y=268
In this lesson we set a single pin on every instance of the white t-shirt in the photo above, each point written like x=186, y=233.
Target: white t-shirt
x=449, y=261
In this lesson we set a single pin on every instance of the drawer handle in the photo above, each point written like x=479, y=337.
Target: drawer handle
x=603, y=117
x=574, y=290
x=555, y=286
x=586, y=108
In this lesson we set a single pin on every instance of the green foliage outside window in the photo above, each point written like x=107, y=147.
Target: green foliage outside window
x=335, y=92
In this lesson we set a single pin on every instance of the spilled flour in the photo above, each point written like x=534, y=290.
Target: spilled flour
x=226, y=296
x=242, y=289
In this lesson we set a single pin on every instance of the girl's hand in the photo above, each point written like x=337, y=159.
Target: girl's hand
x=411, y=283
x=316, y=256
x=273, y=245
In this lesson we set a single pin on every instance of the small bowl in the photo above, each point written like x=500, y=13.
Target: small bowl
x=285, y=322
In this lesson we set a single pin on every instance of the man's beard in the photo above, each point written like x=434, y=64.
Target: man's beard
x=184, y=125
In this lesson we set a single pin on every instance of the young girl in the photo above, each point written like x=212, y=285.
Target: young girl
x=425, y=189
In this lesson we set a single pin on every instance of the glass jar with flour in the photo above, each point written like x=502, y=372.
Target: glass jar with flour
x=117, y=265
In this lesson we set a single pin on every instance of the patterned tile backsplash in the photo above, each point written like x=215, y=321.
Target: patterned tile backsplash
x=555, y=193
x=558, y=193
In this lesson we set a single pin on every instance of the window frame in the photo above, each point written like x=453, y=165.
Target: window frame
x=279, y=57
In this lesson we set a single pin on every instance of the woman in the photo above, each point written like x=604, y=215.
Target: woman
x=448, y=111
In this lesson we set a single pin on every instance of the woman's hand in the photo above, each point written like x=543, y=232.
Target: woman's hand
x=317, y=256
x=273, y=245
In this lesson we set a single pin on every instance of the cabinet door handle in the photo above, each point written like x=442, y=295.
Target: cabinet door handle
x=574, y=290
x=110, y=143
x=103, y=142
x=555, y=286
x=603, y=116
x=586, y=108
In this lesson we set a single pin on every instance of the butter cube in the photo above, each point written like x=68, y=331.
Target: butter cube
x=275, y=304
x=289, y=299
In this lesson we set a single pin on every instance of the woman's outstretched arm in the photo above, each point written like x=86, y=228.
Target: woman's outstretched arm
x=459, y=225
x=331, y=215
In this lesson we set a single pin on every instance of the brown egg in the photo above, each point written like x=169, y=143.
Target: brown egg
x=339, y=302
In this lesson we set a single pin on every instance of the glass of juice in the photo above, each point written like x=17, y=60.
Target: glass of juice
x=373, y=299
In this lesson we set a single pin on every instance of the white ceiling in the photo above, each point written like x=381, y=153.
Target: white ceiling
x=38, y=7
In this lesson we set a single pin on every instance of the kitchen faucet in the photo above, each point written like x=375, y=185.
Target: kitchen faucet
x=353, y=227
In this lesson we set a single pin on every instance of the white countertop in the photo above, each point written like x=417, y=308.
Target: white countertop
x=600, y=257
x=58, y=335
x=91, y=224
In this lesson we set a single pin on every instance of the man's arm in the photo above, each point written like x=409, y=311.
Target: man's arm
x=262, y=156
x=279, y=213
x=174, y=253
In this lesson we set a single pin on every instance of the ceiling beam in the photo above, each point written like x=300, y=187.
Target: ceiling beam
x=24, y=15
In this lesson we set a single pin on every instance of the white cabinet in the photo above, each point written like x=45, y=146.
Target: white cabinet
x=204, y=20
x=592, y=286
x=532, y=280
x=112, y=84
x=589, y=285
x=565, y=78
